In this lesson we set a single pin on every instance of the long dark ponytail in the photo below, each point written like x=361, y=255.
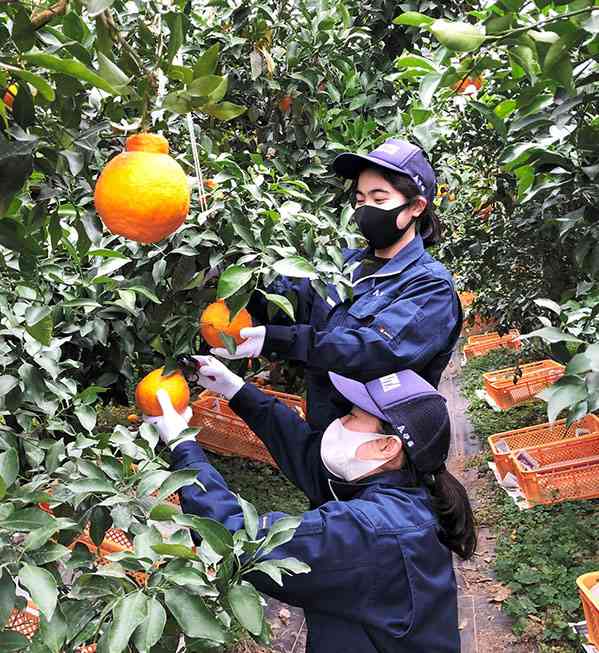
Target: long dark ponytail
x=428, y=224
x=452, y=507
x=450, y=504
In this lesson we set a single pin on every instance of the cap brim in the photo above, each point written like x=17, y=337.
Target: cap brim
x=350, y=165
x=357, y=393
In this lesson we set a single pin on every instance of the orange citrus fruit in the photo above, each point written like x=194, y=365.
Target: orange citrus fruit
x=210, y=184
x=215, y=319
x=285, y=103
x=9, y=95
x=174, y=384
x=468, y=86
x=143, y=193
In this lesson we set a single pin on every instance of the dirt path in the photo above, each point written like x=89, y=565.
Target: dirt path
x=483, y=627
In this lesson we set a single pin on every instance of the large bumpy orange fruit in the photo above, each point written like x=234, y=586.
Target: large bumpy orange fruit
x=143, y=193
x=174, y=384
x=215, y=319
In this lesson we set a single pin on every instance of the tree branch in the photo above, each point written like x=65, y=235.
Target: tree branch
x=40, y=18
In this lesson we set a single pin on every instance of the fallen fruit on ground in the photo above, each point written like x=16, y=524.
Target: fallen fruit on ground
x=215, y=320
x=143, y=193
x=174, y=384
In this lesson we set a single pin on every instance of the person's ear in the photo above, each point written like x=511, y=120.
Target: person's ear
x=381, y=449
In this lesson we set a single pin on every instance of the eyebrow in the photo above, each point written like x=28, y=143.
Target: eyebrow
x=371, y=192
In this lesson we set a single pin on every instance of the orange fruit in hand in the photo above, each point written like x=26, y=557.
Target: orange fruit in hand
x=174, y=384
x=215, y=319
x=143, y=193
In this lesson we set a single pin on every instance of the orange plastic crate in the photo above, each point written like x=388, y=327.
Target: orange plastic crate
x=481, y=345
x=590, y=604
x=222, y=431
x=26, y=622
x=563, y=471
x=505, y=443
x=535, y=377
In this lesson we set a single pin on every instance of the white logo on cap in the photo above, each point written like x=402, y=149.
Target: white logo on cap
x=388, y=147
x=390, y=382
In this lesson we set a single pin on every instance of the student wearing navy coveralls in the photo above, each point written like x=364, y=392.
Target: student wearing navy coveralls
x=405, y=313
x=381, y=578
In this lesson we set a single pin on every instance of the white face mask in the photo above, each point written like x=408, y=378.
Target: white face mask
x=338, y=451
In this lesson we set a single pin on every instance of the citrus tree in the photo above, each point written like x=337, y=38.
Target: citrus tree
x=507, y=98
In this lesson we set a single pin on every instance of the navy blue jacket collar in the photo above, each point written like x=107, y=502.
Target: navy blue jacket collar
x=345, y=490
x=404, y=258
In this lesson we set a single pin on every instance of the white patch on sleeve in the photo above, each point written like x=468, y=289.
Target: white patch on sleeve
x=390, y=382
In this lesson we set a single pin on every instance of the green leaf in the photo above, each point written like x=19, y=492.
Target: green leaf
x=37, y=538
x=176, y=37
x=7, y=383
x=42, y=330
x=224, y=110
x=413, y=18
x=250, y=517
x=23, y=32
x=247, y=608
x=212, y=87
x=569, y=392
x=140, y=290
x=27, y=519
x=176, y=481
x=99, y=523
x=128, y=614
x=428, y=85
x=9, y=465
x=164, y=512
x=551, y=334
x=71, y=67
x=193, y=616
x=295, y=266
x=415, y=61
x=92, y=485
x=16, y=165
x=87, y=416
x=150, y=631
x=280, y=302
x=217, y=536
x=7, y=596
x=112, y=73
x=54, y=632
x=175, y=550
x=458, y=36
x=35, y=80
x=228, y=341
x=42, y=588
x=206, y=64
x=11, y=641
x=232, y=280
x=579, y=364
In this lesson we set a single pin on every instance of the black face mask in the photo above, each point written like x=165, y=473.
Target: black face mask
x=379, y=226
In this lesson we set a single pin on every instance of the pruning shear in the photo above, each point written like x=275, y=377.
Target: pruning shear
x=189, y=367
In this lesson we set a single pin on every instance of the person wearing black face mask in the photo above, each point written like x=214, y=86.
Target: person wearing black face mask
x=404, y=312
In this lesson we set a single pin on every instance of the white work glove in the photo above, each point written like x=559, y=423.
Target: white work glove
x=171, y=424
x=215, y=376
x=251, y=347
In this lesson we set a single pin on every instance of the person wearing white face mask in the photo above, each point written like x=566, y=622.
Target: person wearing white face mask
x=381, y=578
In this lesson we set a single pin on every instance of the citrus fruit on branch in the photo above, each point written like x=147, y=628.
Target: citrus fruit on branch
x=174, y=384
x=215, y=320
x=143, y=193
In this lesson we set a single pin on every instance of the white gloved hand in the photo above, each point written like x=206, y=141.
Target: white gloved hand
x=170, y=424
x=251, y=347
x=216, y=376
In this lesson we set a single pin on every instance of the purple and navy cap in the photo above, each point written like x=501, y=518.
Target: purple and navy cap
x=415, y=409
x=393, y=154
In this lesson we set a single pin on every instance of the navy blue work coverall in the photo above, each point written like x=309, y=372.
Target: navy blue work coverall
x=380, y=581
x=406, y=315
